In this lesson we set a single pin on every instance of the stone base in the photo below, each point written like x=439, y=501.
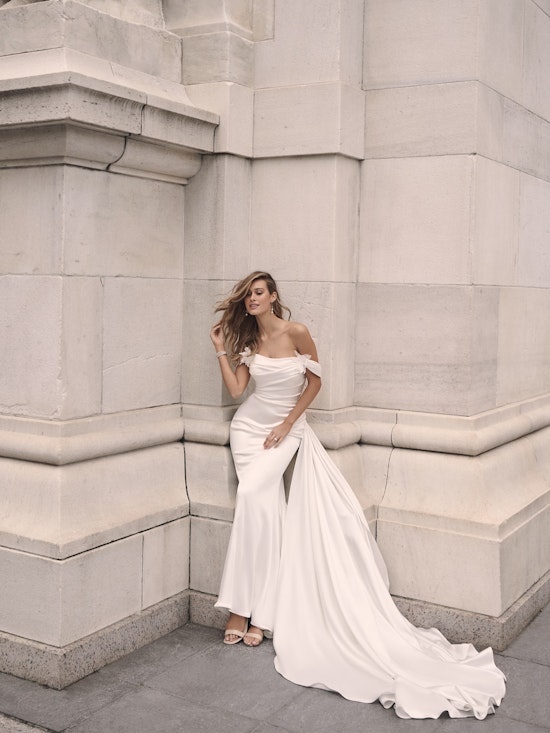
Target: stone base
x=482, y=631
x=456, y=625
x=59, y=667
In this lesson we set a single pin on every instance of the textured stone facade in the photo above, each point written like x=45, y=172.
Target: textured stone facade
x=389, y=163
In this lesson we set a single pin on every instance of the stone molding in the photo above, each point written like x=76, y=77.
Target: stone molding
x=59, y=443
x=66, y=116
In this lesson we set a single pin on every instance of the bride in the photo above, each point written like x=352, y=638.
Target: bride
x=313, y=564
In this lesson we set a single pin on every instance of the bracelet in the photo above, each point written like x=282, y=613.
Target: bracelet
x=221, y=353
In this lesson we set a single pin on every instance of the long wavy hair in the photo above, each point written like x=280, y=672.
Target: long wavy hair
x=239, y=329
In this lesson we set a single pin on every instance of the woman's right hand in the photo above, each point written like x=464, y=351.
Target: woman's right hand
x=216, y=336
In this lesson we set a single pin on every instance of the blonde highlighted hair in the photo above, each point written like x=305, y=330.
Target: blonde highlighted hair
x=239, y=329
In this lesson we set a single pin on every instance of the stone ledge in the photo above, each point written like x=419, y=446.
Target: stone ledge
x=60, y=443
x=59, y=667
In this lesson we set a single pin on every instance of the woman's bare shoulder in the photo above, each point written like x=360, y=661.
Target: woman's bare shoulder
x=297, y=329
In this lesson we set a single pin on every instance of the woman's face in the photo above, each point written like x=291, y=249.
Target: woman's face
x=258, y=300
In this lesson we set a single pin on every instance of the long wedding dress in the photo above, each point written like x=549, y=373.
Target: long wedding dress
x=311, y=572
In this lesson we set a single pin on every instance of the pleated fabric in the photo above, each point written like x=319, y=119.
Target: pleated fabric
x=315, y=576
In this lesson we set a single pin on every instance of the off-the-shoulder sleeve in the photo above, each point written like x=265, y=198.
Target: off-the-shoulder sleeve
x=246, y=356
x=306, y=362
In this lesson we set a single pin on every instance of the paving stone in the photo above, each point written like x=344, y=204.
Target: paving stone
x=157, y=657
x=326, y=712
x=9, y=725
x=153, y=711
x=233, y=678
x=526, y=698
x=533, y=643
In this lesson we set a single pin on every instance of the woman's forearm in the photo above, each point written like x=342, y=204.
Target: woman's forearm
x=308, y=395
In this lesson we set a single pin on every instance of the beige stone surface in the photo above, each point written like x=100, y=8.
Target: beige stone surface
x=536, y=59
x=523, y=344
x=218, y=246
x=533, y=262
x=415, y=225
x=437, y=42
x=68, y=24
x=297, y=230
x=421, y=120
x=87, y=504
x=30, y=217
x=309, y=120
x=234, y=103
x=211, y=480
x=501, y=45
x=405, y=358
x=142, y=342
x=327, y=51
x=165, y=561
x=209, y=540
x=71, y=441
x=124, y=226
x=103, y=584
x=495, y=228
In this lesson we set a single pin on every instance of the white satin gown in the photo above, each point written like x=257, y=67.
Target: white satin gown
x=311, y=572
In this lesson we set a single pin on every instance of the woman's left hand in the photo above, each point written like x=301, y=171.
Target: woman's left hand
x=277, y=435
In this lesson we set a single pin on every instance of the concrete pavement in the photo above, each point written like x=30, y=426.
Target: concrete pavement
x=189, y=682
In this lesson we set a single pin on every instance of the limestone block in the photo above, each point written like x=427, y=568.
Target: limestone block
x=81, y=347
x=431, y=349
x=216, y=57
x=57, y=602
x=209, y=540
x=304, y=217
x=425, y=42
x=57, y=512
x=536, y=60
x=525, y=140
x=501, y=45
x=30, y=221
x=312, y=44
x=165, y=561
x=73, y=25
x=495, y=227
x=44, y=376
x=188, y=17
x=234, y=103
x=30, y=319
x=444, y=568
x=443, y=515
x=533, y=266
x=142, y=326
x=217, y=223
x=415, y=220
x=309, y=120
x=523, y=344
x=201, y=383
x=211, y=480
x=325, y=308
x=433, y=119
x=122, y=226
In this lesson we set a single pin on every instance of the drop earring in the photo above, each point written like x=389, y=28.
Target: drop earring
x=271, y=310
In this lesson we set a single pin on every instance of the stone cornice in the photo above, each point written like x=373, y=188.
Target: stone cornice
x=64, y=114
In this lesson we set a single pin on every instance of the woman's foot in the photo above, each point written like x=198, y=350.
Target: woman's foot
x=235, y=629
x=254, y=636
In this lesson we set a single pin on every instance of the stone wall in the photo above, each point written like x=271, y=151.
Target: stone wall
x=389, y=163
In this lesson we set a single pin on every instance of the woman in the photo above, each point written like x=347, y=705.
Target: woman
x=310, y=572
